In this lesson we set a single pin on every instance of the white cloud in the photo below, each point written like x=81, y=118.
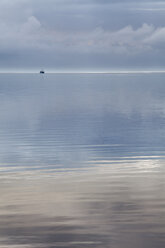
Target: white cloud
x=157, y=37
x=126, y=40
x=31, y=33
x=27, y=26
x=32, y=25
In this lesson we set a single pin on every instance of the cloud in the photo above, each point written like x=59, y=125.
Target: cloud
x=157, y=37
x=126, y=40
x=32, y=37
x=31, y=25
x=92, y=31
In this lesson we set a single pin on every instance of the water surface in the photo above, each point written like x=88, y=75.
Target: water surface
x=82, y=160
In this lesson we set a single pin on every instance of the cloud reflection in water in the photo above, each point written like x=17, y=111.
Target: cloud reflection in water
x=82, y=161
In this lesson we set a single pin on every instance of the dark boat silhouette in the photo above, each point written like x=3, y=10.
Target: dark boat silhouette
x=42, y=72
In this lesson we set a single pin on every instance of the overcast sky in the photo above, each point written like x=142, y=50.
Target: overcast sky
x=82, y=34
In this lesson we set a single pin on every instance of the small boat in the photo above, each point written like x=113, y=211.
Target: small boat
x=42, y=72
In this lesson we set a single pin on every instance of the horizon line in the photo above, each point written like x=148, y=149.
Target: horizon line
x=85, y=72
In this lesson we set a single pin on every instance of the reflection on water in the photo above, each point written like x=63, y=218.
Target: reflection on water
x=82, y=161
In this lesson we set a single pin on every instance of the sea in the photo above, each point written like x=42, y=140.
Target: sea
x=82, y=160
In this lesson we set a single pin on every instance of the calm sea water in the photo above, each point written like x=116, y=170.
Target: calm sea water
x=82, y=160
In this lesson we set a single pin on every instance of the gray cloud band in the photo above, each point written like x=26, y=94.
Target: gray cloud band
x=81, y=28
